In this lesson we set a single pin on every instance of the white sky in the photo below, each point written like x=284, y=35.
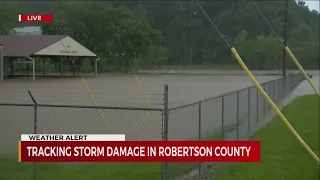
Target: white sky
x=313, y=5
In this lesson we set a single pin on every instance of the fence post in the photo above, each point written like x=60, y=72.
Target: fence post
x=287, y=85
x=274, y=91
x=284, y=87
x=1, y=64
x=238, y=115
x=200, y=164
x=264, y=101
x=281, y=90
x=165, y=126
x=269, y=106
x=278, y=91
x=35, y=127
x=257, y=104
x=222, y=118
x=249, y=113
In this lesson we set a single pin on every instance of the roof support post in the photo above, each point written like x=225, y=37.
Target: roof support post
x=96, y=66
x=33, y=68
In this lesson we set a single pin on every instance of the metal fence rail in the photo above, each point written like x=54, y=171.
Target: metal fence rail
x=230, y=116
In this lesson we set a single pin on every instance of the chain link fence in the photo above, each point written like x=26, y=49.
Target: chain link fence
x=230, y=116
x=16, y=119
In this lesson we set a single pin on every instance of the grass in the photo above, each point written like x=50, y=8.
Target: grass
x=282, y=156
x=12, y=170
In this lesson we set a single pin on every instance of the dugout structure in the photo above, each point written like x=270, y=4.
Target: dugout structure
x=31, y=51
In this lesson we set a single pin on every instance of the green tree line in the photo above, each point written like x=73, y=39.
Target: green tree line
x=129, y=34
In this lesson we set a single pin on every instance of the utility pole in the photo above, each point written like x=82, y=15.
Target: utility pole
x=284, y=65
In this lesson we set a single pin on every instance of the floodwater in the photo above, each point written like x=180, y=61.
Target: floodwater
x=122, y=91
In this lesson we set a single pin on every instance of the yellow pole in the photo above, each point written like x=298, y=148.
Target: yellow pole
x=283, y=118
x=95, y=103
x=301, y=70
x=147, y=103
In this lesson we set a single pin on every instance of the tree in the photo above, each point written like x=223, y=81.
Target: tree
x=8, y=18
x=263, y=52
x=181, y=28
x=113, y=30
x=157, y=56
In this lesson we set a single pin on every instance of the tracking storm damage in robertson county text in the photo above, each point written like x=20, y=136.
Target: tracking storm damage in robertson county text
x=223, y=151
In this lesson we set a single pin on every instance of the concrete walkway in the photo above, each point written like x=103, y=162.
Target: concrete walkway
x=303, y=89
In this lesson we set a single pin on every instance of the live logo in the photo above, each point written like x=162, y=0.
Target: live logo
x=35, y=18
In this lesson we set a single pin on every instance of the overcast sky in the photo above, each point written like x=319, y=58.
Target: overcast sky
x=313, y=5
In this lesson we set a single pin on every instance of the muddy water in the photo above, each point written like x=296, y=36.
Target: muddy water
x=116, y=91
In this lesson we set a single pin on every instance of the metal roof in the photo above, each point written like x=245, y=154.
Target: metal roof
x=23, y=46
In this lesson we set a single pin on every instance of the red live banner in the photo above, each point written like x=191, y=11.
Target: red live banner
x=35, y=18
x=139, y=151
